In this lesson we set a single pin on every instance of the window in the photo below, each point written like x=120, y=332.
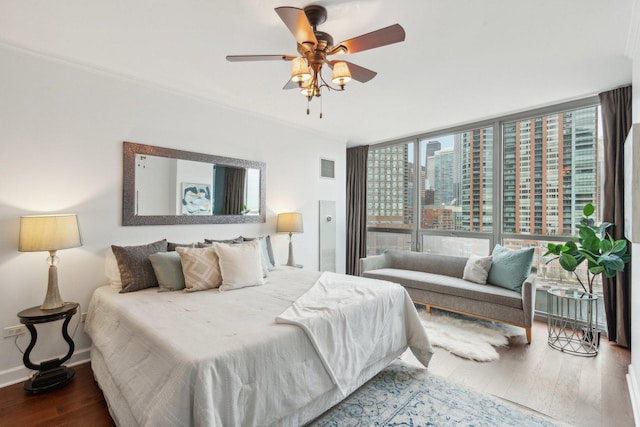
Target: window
x=390, y=198
x=521, y=181
x=566, y=175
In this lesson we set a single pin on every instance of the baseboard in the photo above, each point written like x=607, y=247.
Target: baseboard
x=19, y=374
x=634, y=394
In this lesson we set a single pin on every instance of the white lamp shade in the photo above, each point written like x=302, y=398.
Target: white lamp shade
x=300, y=70
x=341, y=74
x=290, y=222
x=48, y=233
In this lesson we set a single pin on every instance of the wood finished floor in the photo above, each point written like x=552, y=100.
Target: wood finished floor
x=577, y=390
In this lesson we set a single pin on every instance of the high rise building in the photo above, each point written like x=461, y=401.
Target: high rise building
x=443, y=161
x=430, y=151
x=476, y=177
x=550, y=172
x=389, y=187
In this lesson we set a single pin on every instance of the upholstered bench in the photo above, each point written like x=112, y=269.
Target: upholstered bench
x=508, y=296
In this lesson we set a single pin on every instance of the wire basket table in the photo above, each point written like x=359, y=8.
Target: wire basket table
x=573, y=321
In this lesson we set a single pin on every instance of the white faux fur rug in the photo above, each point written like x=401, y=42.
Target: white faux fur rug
x=467, y=337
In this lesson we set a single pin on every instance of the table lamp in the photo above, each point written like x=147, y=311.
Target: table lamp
x=49, y=233
x=290, y=222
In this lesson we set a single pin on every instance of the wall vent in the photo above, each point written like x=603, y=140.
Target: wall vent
x=327, y=168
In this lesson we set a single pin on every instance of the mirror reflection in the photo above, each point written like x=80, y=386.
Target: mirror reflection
x=165, y=186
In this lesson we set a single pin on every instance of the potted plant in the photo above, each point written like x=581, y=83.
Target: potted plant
x=594, y=245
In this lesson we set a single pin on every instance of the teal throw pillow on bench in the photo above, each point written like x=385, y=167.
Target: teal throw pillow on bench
x=510, y=267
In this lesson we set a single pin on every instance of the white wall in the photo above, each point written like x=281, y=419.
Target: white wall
x=633, y=51
x=61, y=133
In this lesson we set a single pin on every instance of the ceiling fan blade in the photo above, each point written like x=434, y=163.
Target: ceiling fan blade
x=296, y=21
x=242, y=58
x=358, y=73
x=291, y=85
x=382, y=37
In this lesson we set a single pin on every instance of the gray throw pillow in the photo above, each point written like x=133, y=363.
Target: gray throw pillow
x=168, y=269
x=171, y=246
x=236, y=240
x=136, y=271
x=510, y=267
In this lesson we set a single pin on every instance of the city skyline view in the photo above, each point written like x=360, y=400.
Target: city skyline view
x=549, y=169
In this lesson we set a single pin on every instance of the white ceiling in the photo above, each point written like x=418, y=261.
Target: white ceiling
x=462, y=61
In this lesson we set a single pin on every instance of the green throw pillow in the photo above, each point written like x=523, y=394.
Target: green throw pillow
x=510, y=267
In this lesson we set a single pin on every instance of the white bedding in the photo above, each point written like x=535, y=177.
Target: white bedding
x=346, y=316
x=215, y=359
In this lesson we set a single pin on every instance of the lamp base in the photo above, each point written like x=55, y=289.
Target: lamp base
x=290, y=261
x=53, y=299
x=44, y=381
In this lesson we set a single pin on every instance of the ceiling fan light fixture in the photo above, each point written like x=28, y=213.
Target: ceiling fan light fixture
x=300, y=70
x=310, y=90
x=341, y=74
x=314, y=47
x=307, y=91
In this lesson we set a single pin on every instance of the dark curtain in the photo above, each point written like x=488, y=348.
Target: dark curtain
x=616, y=116
x=233, y=191
x=356, y=207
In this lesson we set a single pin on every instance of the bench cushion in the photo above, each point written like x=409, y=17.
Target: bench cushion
x=448, y=285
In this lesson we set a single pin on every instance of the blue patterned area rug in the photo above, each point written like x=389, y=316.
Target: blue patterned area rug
x=403, y=395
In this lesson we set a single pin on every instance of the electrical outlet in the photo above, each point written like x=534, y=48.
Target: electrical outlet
x=12, y=331
x=83, y=317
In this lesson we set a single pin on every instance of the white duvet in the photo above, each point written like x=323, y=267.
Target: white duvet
x=218, y=359
x=345, y=317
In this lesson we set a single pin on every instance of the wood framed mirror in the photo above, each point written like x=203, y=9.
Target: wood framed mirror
x=164, y=186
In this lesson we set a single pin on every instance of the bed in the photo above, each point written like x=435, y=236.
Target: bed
x=220, y=358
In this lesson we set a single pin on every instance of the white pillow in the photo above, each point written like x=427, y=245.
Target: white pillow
x=112, y=271
x=200, y=268
x=477, y=269
x=240, y=265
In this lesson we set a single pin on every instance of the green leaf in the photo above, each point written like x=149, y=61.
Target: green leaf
x=553, y=249
x=597, y=269
x=601, y=230
x=611, y=262
x=570, y=246
x=568, y=262
x=605, y=246
x=588, y=209
x=589, y=255
x=586, y=233
x=619, y=247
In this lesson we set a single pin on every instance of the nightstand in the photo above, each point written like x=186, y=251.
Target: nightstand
x=51, y=373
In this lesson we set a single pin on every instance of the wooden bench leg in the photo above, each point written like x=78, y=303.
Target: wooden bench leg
x=428, y=308
x=528, y=331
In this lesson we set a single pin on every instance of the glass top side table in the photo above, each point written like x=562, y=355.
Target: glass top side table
x=572, y=318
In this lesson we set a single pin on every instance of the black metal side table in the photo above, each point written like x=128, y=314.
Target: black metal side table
x=51, y=373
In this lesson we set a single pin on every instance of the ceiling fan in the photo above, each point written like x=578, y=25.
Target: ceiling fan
x=316, y=46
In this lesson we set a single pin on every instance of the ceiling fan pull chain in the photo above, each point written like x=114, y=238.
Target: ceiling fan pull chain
x=307, y=106
x=320, y=106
